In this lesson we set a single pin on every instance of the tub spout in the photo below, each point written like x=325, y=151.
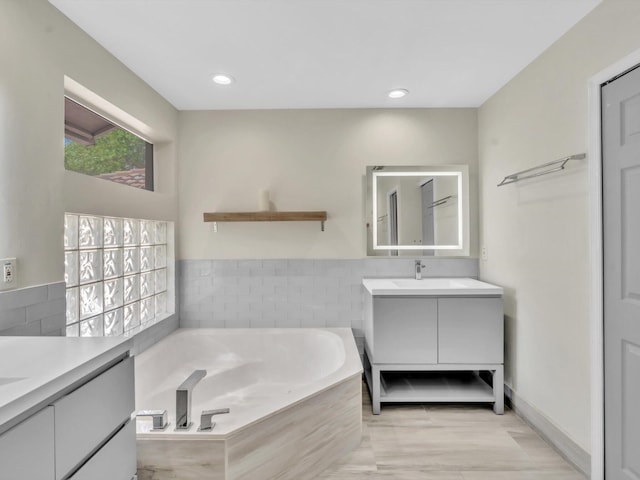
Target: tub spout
x=183, y=399
x=206, y=425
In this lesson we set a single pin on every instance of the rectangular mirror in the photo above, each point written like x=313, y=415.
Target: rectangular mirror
x=421, y=210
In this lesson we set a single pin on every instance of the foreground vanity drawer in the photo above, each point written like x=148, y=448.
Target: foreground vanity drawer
x=26, y=451
x=88, y=416
x=115, y=461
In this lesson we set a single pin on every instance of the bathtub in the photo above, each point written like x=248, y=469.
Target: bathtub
x=294, y=396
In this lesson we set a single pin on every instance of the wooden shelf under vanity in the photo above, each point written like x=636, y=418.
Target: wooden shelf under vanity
x=267, y=216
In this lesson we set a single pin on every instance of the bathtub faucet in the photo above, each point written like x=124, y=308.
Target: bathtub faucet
x=206, y=425
x=160, y=419
x=183, y=399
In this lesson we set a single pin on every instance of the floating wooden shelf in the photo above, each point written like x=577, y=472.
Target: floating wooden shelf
x=268, y=216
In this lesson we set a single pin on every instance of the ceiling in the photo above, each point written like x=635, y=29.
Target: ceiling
x=325, y=53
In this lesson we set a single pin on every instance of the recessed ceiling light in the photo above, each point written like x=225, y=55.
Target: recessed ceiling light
x=398, y=93
x=221, y=79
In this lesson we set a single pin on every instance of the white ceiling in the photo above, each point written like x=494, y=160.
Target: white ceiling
x=325, y=53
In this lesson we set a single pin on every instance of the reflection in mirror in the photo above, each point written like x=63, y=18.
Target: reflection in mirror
x=417, y=210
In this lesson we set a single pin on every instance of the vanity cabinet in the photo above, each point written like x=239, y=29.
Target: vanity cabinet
x=432, y=347
x=87, y=418
x=470, y=330
x=78, y=426
x=411, y=337
x=116, y=460
x=27, y=450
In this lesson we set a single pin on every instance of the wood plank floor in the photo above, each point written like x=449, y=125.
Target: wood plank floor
x=448, y=442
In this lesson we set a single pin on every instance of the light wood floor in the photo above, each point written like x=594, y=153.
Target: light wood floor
x=448, y=442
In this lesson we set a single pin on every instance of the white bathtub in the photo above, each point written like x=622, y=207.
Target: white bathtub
x=286, y=385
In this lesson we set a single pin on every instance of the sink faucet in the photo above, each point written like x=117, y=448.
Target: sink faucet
x=183, y=399
x=419, y=267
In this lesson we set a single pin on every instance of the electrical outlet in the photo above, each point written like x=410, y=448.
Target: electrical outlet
x=8, y=273
x=483, y=253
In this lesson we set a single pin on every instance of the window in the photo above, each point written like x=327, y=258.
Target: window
x=95, y=146
x=115, y=273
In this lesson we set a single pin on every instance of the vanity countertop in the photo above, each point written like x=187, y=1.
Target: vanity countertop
x=430, y=287
x=34, y=369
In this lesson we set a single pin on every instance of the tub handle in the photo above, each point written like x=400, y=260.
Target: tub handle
x=206, y=425
x=160, y=418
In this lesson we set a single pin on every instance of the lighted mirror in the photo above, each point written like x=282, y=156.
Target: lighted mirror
x=418, y=210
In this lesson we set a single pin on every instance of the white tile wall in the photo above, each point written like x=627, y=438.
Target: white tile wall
x=291, y=292
x=33, y=311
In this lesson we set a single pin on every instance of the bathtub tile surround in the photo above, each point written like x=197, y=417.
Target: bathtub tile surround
x=292, y=292
x=33, y=311
x=294, y=397
x=195, y=459
x=304, y=441
x=297, y=444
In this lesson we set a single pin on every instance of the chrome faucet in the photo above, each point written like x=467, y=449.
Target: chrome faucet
x=160, y=419
x=419, y=267
x=206, y=425
x=183, y=399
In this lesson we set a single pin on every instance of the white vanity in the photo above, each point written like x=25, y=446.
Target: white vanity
x=65, y=409
x=429, y=340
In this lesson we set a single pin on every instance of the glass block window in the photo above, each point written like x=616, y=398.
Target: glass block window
x=116, y=274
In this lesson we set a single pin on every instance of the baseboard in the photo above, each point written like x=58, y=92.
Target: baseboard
x=566, y=447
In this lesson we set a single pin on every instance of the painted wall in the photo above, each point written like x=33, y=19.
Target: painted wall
x=309, y=160
x=38, y=47
x=536, y=231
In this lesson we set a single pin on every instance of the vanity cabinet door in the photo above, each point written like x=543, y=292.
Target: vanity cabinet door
x=114, y=461
x=470, y=330
x=405, y=330
x=26, y=450
x=87, y=416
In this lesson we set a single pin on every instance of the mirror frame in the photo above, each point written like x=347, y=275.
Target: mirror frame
x=461, y=248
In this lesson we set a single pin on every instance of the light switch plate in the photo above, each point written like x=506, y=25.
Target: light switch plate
x=8, y=273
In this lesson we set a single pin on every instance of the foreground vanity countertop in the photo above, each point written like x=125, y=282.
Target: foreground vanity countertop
x=430, y=287
x=33, y=369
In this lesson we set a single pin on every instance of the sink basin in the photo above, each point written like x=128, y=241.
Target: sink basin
x=9, y=380
x=428, y=283
x=430, y=287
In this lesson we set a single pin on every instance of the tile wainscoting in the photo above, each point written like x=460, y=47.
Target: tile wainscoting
x=292, y=292
x=33, y=311
x=40, y=311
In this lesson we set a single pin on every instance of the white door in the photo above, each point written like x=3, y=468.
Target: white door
x=621, y=223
